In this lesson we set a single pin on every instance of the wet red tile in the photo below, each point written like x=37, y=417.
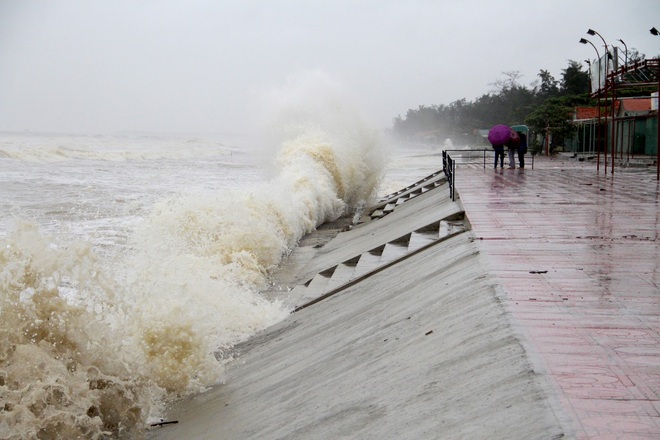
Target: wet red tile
x=577, y=256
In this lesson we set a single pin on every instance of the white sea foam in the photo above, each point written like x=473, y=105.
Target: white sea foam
x=96, y=340
x=116, y=148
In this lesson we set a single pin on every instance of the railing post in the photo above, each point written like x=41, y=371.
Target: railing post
x=449, y=167
x=450, y=177
x=453, y=186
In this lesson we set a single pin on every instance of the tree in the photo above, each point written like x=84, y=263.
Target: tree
x=574, y=81
x=516, y=102
x=552, y=118
x=634, y=56
x=548, y=87
x=546, y=105
x=509, y=82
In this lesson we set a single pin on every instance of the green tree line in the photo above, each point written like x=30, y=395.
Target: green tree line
x=545, y=105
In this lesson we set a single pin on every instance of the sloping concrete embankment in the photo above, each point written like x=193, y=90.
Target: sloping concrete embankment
x=399, y=334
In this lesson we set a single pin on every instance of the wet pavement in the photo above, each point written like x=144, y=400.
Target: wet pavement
x=577, y=254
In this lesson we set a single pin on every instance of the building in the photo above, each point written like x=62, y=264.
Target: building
x=624, y=124
x=635, y=129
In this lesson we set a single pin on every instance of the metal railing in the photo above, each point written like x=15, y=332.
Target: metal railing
x=473, y=156
x=465, y=157
x=449, y=168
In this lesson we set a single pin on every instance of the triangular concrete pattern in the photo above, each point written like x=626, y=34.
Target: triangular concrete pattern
x=342, y=275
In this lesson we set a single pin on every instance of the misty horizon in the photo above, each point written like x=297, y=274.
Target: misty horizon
x=212, y=67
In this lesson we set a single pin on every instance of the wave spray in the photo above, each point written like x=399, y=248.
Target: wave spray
x=94, y=345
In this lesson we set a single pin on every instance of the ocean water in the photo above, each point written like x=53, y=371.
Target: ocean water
x=131, y=264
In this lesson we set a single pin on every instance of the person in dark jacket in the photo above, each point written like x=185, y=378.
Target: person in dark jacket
x=522, y=149
x=499, y=154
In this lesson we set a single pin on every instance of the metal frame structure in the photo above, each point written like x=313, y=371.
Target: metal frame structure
x=639, y=76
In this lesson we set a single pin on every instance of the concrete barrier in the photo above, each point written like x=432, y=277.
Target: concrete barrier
x=420, y=348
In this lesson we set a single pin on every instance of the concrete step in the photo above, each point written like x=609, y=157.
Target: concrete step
x=449, y=227
x=421, y=239
x=402, y=199
x=320, y=281
x=393, y=251
x=377, y=213
x=368, y=261
x=342, y=274
x=313, y=288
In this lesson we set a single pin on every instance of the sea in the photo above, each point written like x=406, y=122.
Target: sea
x=131, y=263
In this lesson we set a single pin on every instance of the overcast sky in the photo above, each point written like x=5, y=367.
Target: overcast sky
x=92, y=66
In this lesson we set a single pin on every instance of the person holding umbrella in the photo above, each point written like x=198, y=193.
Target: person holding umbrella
x=522, y=149
x=499, y=154
x=513, y=145
x=499, y=136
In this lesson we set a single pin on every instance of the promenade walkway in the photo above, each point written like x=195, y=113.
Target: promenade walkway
x=577, y=254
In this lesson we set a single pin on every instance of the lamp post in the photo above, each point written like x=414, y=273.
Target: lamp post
x=598, y=130
x=654, y=31
x=591, y=81
x=626, y=50
x=607, y=58
x=590, y=77
x=593, y=32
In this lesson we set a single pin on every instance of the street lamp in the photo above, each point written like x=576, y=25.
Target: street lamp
x=607, y=58
x=654, y=31
x=585, y=41
x=593, y=32
x=626, y=49
x=589, y=64
x=607, y=50
x=598, y=129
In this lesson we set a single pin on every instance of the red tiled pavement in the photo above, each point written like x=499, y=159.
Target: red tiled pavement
x=577, y=254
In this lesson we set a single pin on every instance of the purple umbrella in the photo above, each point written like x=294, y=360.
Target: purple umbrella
x=500, y=134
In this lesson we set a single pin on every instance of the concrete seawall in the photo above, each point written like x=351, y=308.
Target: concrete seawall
x=400, y=333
